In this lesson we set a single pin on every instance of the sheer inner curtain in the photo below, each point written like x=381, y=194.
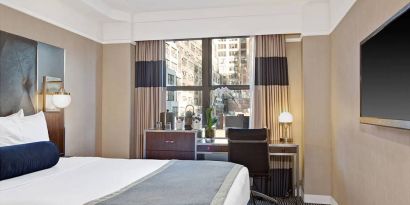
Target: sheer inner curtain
x=270, y=90
x=150, y=88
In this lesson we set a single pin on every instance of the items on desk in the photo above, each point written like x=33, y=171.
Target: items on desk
x=167, y=117
x=158, y=125
x=196, y=124
x=220, y=123
x=168, y=126
x=210, y=122
x=180, y=123
x=189, y=117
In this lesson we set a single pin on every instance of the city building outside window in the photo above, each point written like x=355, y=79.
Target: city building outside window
x=196, y=68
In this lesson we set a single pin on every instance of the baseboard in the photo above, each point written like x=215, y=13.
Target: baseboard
x=319, y=199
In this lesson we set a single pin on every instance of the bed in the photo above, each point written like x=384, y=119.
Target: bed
x=32, y=172
x=80, y=180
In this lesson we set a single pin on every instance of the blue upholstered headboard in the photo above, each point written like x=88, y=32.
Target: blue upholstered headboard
x=18, y=63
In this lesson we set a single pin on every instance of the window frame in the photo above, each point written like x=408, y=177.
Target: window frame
x=207, y=86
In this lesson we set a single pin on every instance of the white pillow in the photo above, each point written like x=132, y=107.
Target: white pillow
x=16, y=130
x=9, y=130
x=33, y=128
x=20, y=113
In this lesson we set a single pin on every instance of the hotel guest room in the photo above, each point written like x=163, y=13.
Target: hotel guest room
x=214, y=102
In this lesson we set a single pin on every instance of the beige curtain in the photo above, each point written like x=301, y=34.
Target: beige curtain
x=270, y=91
x=150, y=88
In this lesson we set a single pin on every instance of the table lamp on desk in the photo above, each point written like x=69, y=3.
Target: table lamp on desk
x=285, y=119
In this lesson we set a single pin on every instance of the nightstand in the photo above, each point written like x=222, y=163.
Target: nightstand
x=170, y=144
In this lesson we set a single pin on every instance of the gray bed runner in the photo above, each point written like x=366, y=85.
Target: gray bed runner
x=178, y=183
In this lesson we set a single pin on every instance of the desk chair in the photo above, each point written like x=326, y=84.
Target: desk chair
x=250, y=148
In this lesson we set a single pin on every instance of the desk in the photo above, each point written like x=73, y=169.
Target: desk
x=282, y=149
x=188, y=145
x=220, y=145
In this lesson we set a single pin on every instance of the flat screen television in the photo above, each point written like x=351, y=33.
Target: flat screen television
x=385, y=73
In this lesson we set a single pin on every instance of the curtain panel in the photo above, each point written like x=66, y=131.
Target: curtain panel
x=150, y=88
x=271, y=84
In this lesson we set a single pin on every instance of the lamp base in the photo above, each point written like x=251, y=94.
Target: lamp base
x=286, y=140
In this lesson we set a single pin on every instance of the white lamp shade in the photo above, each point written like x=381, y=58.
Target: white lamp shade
x=61, y=100
x=285, y=117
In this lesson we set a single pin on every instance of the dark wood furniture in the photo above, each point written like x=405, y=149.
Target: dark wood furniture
x=56, y=130
x=170, y=144
x=162, y=144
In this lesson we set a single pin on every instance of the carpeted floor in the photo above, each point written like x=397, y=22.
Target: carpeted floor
x=286, y=201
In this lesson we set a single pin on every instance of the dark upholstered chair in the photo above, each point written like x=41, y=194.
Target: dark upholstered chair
x=250, y=148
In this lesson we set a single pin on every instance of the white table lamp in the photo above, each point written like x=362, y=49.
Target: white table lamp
x=285, y=119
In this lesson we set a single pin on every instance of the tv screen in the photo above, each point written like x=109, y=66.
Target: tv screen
x=385, y=73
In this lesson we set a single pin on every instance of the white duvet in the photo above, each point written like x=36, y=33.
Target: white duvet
x=78, y=180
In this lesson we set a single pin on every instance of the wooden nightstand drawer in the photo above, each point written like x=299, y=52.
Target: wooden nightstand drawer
x=156, y=154
x=170, y=141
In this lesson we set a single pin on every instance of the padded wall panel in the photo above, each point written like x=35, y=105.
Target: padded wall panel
x=18, y=61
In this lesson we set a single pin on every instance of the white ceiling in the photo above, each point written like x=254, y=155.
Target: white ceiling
x=117, y=21
x=137, y=6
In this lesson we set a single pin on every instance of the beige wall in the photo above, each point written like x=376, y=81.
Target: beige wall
x=294, y=55
x=371, y=164
x=82, y=74
x=117, y=100
x=317, y=125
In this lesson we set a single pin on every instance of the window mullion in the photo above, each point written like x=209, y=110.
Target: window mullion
x=206, y=72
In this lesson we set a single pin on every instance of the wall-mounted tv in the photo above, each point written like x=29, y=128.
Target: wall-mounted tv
x=385, y=73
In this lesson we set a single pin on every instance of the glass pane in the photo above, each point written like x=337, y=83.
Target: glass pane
x=231, y=102
x=230, y=61
x=184, y=63
x=177, y=101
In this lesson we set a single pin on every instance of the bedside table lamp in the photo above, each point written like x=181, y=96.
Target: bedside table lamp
x=61, y=99
x=285, y=119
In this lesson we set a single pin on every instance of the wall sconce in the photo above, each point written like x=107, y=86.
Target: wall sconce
x=285, y=119
x=61, y=99
x=54, y=95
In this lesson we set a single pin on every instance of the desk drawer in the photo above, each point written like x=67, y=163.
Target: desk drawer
x=156, y=154
x=170, y=141
x=212, y=148
x=283, y=149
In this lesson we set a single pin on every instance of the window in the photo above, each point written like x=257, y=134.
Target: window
x=232, y=46
x=233, y=53
x=221, y=46
x=243, y=52
x=201, y=67
x=171, y=80
x=243, y=45
x=170, y=96
x=221, y=53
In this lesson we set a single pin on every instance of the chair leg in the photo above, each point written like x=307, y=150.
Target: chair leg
x=253, y=198
x=265, y=197
x=267, y=186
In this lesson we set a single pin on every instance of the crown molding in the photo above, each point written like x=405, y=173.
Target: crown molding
x=310, y=18
x=53, y=22
x=334, y=24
